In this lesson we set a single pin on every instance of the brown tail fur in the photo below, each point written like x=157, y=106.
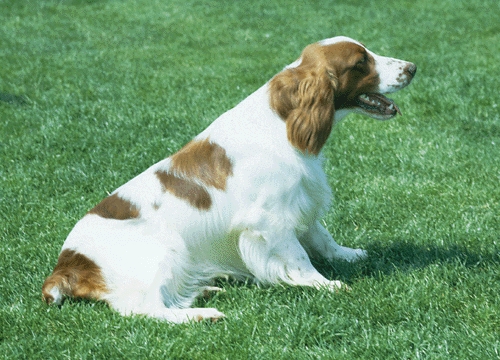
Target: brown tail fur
x=75, y=275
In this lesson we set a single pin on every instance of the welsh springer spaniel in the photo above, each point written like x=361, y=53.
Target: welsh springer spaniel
x=243, y=198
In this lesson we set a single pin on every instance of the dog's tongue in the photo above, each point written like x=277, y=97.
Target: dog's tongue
x=378, y=103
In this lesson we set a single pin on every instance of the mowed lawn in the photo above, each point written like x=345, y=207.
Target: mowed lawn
x=94, y=92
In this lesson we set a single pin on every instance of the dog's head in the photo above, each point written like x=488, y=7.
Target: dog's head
x=331, y=79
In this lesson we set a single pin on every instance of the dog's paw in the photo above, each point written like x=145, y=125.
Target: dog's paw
x=358, y=254
x=352, y=255
x=200, y=314
x=208, y=291
x=334, y=286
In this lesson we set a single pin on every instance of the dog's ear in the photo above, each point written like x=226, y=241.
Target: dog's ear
x=303, y=97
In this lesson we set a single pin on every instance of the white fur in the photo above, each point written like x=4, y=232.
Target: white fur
x=392, y=74
x=263, y=226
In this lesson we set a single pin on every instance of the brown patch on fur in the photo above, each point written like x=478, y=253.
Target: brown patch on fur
x=114, y=207
x=328, y=78
x=188, y=190
x=204, y=161
x=197, y=164
x=75, y=275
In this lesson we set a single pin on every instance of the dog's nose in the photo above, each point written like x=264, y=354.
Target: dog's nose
x=411, y=69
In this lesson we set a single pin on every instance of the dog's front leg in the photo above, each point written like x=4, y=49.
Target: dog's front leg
x=319, y=243
x=280, y=258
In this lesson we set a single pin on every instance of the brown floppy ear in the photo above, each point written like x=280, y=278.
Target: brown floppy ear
x=303, y=97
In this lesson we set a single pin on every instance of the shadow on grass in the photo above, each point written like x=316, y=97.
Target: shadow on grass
x=385, y=259
x=13, y=99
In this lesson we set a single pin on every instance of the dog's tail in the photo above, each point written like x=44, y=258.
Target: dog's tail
x=75, y=275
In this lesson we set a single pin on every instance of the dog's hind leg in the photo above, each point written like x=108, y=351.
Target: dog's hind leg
x=153, y=306
x=169, y=295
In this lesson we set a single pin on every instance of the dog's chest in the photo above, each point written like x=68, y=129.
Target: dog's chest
x=282, y=195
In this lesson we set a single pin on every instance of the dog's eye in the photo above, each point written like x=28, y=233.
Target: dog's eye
x=361, y=64
x=362, y=61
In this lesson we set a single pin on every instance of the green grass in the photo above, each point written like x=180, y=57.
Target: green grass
x=93, y=92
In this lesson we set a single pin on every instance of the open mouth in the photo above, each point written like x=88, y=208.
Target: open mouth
x=377, y=106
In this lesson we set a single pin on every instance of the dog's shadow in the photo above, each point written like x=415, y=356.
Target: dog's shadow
x=385, y=259
x=402, y=256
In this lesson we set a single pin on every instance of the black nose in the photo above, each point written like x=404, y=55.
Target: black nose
x=411, y=69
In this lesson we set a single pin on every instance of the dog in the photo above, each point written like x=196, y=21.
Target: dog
x=243, y=198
